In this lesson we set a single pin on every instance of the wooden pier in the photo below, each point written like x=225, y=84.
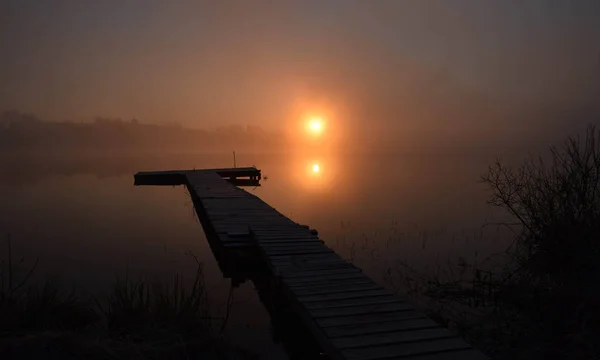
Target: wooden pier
x=349, y=314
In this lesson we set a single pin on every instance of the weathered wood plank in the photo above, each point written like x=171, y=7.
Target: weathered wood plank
x=299, y=258
x=280, y=231
x=337, y=304
x=287, y=266
x=294, y=268
x=308, y=263
x=296, y=251
x=353, y=278
x=370, y=318
x=324, y=279
x=335, y=289
x=300, y=245
x=282, y=224
x=319, y=272
x=281, y=238
x=288, y=241
x=405, y=349
x=380, y=327
x=396, y=337
x=273, y=234
x=356, y=294
x=470, y=354
x=360, y=310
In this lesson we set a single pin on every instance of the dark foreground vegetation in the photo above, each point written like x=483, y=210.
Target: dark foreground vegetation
x=543, y=300
x=138, y=320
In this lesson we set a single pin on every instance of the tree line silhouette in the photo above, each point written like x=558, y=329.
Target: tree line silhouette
x=24, y=132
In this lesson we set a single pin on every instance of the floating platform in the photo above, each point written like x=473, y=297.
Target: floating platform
x=246, y=176
x=349, y=314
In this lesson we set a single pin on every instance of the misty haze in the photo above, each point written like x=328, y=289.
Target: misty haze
x=447, y=149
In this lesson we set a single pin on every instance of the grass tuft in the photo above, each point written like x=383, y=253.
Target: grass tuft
x=139, y=319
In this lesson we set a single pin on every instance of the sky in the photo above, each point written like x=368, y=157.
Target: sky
x=382, y=67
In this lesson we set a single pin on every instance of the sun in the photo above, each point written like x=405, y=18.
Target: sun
x=316, y=168
x=315, y=125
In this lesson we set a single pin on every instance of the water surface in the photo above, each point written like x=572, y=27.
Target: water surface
x=87, y=223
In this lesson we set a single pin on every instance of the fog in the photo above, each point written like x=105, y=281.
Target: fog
x=387, y=75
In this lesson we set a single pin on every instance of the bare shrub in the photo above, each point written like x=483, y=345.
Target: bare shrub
x=556, y=203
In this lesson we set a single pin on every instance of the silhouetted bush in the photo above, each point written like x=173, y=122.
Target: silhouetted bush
x=556, y=203
x=542, y=299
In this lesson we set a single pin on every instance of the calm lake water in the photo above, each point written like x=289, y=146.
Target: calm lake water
x=87, y=223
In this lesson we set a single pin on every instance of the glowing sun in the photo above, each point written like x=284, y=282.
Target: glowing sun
x=315, y=125
x=316, y=168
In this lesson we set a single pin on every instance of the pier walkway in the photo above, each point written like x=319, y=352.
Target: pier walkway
x=349, y=314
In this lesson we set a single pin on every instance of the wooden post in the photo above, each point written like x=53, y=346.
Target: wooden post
x=234, y=160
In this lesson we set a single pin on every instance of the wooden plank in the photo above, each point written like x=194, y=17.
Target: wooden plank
x=235, y=204
x=396, y=337
x=283, y=238
x=298, y=237
x=255, y=214
x=345, y=295
x=280, y=221
x=327, y=283
x=360, y=310
x=330, y=256
x=313, y=264
x=316, y=263
x=248, y=199
x=323, y=264
x=275, y=232
x=292, y=245
x=324, y=279
x=335, y=289
x=293, y=268
x=297, y=251
x=268, y=220
x=283, y=234
x=320, y=272
x=470, y=354
x=251, y=220
x=371, y=318
x=237, y=207
x=308, y=263
x=288, y=241
x=337, y=304
x=405, y=349
x=380, y=327
x=287, y=266
x=300, y=247
x=283, y=224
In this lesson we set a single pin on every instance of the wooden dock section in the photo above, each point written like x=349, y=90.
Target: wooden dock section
x=349, y=314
